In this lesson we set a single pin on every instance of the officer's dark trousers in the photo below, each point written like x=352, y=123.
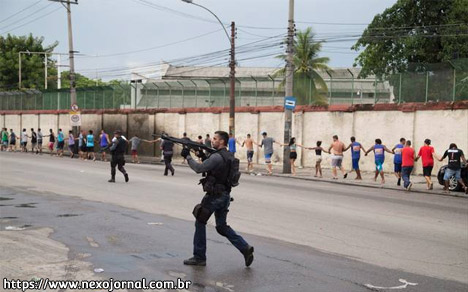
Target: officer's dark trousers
x=168, y=161
x=219, y=206
x=117, y=160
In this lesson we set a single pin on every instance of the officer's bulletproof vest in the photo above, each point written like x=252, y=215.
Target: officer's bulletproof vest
x=216, y=180
x=121, y=147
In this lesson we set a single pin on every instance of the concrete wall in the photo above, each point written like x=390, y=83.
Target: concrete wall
x=442, y=126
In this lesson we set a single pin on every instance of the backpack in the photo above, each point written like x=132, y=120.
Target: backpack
x=234, y=173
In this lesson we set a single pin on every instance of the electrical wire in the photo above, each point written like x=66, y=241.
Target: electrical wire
x=27, y=16
x=26, y=8
x=33, y=20
x=152, y=48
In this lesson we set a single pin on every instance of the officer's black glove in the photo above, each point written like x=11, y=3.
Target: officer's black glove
x=201, y=155
x=185, y=152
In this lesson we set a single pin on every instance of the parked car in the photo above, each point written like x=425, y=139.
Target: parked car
x=454, y=185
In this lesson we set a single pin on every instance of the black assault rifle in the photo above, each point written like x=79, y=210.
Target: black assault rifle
x=186, y=143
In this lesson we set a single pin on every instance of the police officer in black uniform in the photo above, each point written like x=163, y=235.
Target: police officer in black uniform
x=117, y=149
x=216, y=200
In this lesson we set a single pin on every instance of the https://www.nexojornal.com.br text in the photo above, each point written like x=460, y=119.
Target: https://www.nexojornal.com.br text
x=109, y=285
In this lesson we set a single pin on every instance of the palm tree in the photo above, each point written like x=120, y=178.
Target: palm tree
x=309, y=86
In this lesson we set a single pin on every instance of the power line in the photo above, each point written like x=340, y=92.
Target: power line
x=153, y=48
x=187, y=15
x=13, y=15
x=33, y=20
x=27, y=16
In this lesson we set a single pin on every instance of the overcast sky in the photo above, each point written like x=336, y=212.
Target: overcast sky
x=106, y=27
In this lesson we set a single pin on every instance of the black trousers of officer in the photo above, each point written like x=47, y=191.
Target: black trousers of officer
x=168, y=161
x=119, y=161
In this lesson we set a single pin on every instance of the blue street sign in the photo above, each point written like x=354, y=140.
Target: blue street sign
x=290, y=102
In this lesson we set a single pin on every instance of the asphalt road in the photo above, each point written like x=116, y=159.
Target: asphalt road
x=308, y=236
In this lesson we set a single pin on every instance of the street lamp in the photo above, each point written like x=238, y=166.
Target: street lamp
x=232, y=65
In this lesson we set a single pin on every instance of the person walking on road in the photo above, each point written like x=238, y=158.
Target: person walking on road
x=136, y=141
x=379, y=156
x=90, y=145
x=356, y=149
x=200, y=140
x=292, y=153
x=232, y=144
x=82, y=145
x=318, y=158
x=267, y=144
x=397, y=159
x=248, y=143
x=426, y=153
x=168, y=152
x=216, y=200
x=4, y=145
x=24, y=141
x=40, y=138
x=33, y=141
x=407, y=165
x=184, y=137
x=208, y=141
x=12, y=141
x=71, y=144
x=117, y=150
x=51, y=141
x=60, y=143
x=455, y=157
x=104, y=142
x=336, y=149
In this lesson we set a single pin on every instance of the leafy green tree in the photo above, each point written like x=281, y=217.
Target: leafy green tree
x=32, y=69
x=308, y=84
x=81, y=81
x=411, y=34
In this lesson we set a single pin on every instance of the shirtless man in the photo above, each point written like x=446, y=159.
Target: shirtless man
x=337, y=148
x=248, y=143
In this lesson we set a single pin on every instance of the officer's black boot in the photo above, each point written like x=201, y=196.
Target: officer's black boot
x=193, y=261
x=248, y=255
x=112, y=180
x=126, y=177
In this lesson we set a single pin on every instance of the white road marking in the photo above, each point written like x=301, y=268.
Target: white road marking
x=404, y=286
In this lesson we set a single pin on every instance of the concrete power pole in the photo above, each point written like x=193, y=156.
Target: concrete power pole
x=71, y=53
x=72, y=58
x=232, y=76
x=289, y=87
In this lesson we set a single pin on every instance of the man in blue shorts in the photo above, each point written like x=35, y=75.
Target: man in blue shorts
x=267, y=144
x=356, y=148
x=397, y=160
x=379, y=152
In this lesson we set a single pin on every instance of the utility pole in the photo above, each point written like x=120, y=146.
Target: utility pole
x=59, y=72
x=232, y=76
x=19, y=71
x=72, y=58
x=289, y=87
x=71, y=53
x=45, y=71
